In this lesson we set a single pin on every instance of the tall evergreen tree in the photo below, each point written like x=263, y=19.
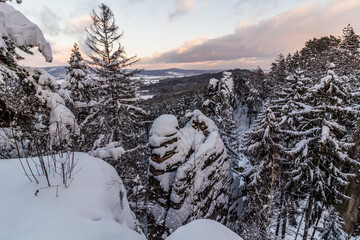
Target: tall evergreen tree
x=322, y=161
x=78, y=84
x=114, y=116
x=115, y=122
x=262, y=146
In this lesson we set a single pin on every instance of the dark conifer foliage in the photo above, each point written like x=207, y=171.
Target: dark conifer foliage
x=315, y=111
x=114, y=116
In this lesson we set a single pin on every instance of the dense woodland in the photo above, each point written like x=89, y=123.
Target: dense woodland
x=184, y=154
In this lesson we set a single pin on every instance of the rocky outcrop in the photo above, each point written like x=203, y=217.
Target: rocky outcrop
x=189, y=174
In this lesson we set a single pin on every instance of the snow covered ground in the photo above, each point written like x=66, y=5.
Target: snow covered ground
x=203, y=229
x=89, y=209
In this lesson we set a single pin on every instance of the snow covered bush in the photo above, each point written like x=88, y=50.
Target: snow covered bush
x=31, y=106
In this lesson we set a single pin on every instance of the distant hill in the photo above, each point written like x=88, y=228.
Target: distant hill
x=60, y=72
x=190, y=83
x=175, y=72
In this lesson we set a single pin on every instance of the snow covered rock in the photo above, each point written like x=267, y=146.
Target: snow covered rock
x=94, y=206
x=189, y=173
x=202, y=183
x=203, y=229
x=22, y=31
x=164, y=161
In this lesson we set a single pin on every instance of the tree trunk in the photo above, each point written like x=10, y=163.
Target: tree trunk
x=308, y=217
x=284, y=223
x=279, y=217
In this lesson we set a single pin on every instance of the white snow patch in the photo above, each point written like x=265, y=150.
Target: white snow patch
x=203, y=229
x=89, y=209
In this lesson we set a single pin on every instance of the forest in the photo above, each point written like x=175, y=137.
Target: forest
x=267, y=154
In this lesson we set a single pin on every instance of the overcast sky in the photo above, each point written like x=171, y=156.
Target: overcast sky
x=197, y=34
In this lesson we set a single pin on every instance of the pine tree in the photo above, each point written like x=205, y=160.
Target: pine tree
x=254, y=102
x=115, y=123
x=78, y=85
x=76, y=76
x=114, y=116
x=321, y=163
x=284, y=103
x=350, y=44
x=265, y=153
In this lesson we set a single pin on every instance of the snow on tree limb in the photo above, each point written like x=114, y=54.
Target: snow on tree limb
x=25, y=33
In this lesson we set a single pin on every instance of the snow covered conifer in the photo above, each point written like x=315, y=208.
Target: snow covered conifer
x=262, y=146
x=76, y=76
x=114, y=125
x=254, y=102
x=332, y=228
x=76, y=89
x=114, y=116
x=350, y=44
x=321, y=155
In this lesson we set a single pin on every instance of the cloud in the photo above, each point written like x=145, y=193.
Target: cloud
x=76, y=29
x=283, y=33
x=77, y=26
x=48, y=21
x=182, y=7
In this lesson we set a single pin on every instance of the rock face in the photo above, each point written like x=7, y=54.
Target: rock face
x=350, y=209
x=189, y=174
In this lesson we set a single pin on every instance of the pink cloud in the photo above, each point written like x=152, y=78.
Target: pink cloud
x=283, y=33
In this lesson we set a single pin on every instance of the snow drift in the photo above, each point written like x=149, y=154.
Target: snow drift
x=203, y=229
x=89, y=209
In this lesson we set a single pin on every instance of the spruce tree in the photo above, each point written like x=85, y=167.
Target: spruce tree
x=114, y=116
x=78, y=85
x=350, y=44
x=321, y=154
x=265, y=153
x=115, y=123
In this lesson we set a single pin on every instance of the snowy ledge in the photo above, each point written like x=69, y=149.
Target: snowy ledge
x=89, y=209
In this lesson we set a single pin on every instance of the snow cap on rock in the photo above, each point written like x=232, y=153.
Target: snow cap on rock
x=164, y=125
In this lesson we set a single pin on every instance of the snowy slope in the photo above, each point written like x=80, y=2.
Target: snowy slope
x=89, y=209
x=203, y=229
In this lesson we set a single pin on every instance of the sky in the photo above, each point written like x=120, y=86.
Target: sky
x=194, y=34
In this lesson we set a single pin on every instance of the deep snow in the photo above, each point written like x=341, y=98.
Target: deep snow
x=203, y=229
x=89, y=209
